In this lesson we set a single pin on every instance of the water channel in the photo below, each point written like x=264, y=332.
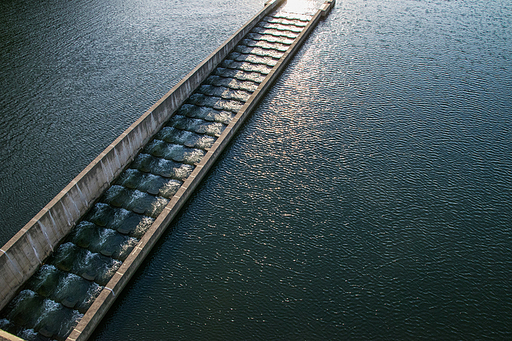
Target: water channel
x=56, y=297
x=368, y=196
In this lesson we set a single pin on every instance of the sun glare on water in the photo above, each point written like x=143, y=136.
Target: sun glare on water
x=299, y=6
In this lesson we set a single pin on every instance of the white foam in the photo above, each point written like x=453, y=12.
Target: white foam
x=28, y=334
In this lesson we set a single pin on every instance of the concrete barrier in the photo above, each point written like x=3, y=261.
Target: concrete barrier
x=4, y=336
x=107, y=297
x=22, y=255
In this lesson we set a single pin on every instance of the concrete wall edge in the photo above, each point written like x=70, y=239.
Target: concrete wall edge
x=54, y=221
x=92, y=317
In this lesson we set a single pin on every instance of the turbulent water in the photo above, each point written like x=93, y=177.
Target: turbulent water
x=368, y=197
x=75, y=74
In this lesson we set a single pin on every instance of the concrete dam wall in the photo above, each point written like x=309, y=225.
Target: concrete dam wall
x=142, y=179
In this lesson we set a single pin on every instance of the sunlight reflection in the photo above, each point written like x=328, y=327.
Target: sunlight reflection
x=300, y=6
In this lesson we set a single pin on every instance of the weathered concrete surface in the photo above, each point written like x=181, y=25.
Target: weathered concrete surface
x=21, y=256
x=4, y=336
x=107, y=297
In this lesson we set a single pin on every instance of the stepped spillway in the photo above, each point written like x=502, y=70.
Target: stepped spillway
x=74, y=287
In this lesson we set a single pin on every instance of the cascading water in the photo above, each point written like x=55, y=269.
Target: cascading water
x=56, y=297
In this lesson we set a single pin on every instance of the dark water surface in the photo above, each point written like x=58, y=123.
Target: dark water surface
x=368, y=197
x=75, y=74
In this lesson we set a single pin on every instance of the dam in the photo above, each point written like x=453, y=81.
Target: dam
x=64, y=269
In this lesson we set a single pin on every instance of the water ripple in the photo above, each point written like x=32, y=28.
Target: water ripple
x=367, y=198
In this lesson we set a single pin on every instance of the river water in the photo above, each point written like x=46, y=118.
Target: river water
x=368, y=197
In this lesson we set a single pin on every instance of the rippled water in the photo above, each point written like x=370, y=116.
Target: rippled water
x=75, y=74
x=368, y=197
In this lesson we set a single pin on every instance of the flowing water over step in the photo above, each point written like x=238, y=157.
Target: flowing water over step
x=56, y=297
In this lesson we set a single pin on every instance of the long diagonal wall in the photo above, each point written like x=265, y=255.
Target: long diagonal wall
x=22, y=256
